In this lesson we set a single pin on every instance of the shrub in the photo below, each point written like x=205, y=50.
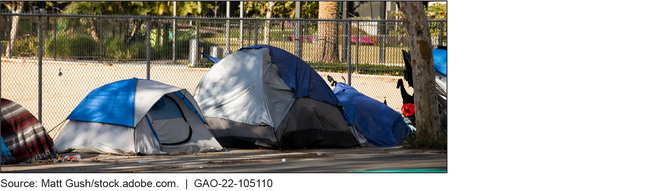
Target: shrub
x=115, y=48
x=26, y=46
x=71, y=45
x=372, y=69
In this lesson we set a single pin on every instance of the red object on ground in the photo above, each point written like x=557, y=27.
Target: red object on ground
x=408, y=109
x=364, y=40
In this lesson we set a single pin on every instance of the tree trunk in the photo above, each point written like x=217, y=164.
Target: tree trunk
x=93, y=29
x=159, y=35
x=125, y=26
x=165, y=34
x=419, y=41
x=14, y=29
x=215, y=10
x=267, y=25
x=136, y=26
x=327, y=45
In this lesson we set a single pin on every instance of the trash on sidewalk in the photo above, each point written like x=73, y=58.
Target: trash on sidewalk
x=72, y=157
x=319, y=154
x=143, y=162
x=284, y=160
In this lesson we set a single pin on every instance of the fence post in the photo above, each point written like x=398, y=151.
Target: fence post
x=227, y=51
x=241, y=24
x=382, y=43
x=56, y=24
x=255, y=31
x=349, y=51
x=297, y=40
x=101, y=44
x=345, y=32
x=344, y=16
x=358, y=37
x=440, y=35
x=174, y=36
x=148, y=50
x=40, y=66
x=283, y=47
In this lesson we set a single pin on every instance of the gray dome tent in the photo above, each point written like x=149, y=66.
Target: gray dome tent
x=263, y=96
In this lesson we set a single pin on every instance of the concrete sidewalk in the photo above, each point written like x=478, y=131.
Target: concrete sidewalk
x=250, y=161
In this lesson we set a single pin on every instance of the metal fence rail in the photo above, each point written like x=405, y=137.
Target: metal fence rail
x=58, y=59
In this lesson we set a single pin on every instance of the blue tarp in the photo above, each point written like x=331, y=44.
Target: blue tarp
x=381, y=125
x=112, y=103
x=213, y=59
x=440, y=60
x=5, y=150
x=300, y=76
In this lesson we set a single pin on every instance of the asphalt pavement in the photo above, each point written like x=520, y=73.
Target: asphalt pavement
x=249, y=161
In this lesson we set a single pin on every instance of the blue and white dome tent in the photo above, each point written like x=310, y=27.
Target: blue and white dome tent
x=136, y=116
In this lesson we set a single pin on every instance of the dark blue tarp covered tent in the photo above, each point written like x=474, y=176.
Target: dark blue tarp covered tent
x=380, y=124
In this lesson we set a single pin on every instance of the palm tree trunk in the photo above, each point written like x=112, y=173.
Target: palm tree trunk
x=327, y=45
x=267, y=25
x=425, y=94
x=136, y=26
x=93, y=29
x=14, y=29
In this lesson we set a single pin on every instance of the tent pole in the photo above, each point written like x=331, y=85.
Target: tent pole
x=148, y=50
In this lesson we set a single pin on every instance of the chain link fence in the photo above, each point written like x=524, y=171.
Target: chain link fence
x=75, y=54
